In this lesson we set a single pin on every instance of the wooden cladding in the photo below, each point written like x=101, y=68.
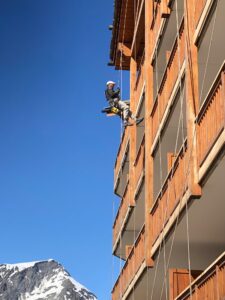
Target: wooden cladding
x=211, y=117
x=174, y=64
x=128, y=249
x=126, y=202
x=171, y=157
x=121, y=152
x=131, y=267
x=171, y=193
x=199, y=6
x=209, y=285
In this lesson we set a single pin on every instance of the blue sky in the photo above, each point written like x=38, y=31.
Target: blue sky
x=57, y=150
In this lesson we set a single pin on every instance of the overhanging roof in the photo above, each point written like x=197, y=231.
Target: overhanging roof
x=123, y=29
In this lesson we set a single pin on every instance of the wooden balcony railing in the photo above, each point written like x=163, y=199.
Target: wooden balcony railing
x=209, y=285
x=140, y=162
x=131, y=267
x=171, y=74
x=176, y=59
x=126, y=202
x=121, y=152
x=211, y=117
x=172, y=191
x=199, y=6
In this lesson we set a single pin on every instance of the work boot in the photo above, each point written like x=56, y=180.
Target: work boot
x=126, y=123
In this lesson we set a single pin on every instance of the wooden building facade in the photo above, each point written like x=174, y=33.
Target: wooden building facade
x=170, y=169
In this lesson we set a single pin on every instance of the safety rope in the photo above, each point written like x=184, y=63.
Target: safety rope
x=121, y=64
x=113, y=266
x=134, y=225
x=186, y=205
x=160, y=160
x=162, y=243
x=134, y=238
x=188, y=169
x=120, y=83
x=160, y=156
x=181, y=121
x=121, y=130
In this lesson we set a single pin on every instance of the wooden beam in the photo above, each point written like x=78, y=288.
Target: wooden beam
x=125, y=49
x=171, y=157
x=128, y=250
x=165, y=10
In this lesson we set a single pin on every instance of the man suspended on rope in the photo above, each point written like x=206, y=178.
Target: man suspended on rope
x=113, y=97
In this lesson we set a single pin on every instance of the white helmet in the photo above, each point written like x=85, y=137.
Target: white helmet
x=110, y=82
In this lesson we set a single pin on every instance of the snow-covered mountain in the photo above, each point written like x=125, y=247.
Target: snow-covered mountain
x=40, y=281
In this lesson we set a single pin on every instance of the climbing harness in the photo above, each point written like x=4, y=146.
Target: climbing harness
x=112, y=110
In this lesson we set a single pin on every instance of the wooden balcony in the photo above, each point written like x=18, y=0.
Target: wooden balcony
x=171, y=193
x=199, y=7
x=134, y=261
x=211, y=117
x=209, y=285
x=174, y=64
x=121, y=152
x=125, y=204
x=140, y=162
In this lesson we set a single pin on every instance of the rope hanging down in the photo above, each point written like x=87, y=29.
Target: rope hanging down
x=134, y=225
x=194, y=136
x=181, y=98
x=180, y=124
x=188, y=165
x=120, y=80
x=120, y=83
x=186, y=176
x=121, y=64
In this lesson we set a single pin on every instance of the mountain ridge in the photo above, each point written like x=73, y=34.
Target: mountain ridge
x=40, y=280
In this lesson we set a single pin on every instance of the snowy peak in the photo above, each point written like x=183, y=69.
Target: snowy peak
x=39, y=281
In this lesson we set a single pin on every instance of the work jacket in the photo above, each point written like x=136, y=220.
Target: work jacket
x=110, y=94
